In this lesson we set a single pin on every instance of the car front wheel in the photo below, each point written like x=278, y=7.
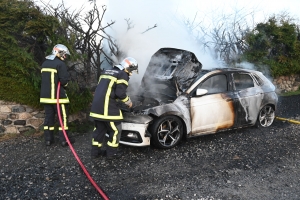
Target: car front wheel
x=166, y=132
x=266, y=116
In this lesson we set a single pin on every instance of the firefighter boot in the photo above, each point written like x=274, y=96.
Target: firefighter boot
x=49, y=137
x=113, y=153
x=97, y=152
x=63, y=141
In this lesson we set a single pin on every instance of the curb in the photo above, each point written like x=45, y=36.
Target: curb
x=288, y=120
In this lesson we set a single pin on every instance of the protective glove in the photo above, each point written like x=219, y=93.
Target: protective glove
x=129, y=103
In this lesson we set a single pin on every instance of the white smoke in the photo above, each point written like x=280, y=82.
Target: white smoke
x=170, y=31
x=169, y=15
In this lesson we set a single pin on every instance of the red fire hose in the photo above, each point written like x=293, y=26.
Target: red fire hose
x=72, y=149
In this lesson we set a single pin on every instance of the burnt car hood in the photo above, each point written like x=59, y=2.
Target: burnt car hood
x=169, y=73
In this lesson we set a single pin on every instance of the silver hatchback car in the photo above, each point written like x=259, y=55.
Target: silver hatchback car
x=177, y=98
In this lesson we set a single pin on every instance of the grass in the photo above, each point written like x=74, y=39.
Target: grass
x=74, y=127
x=10, y=136
x=290, y=93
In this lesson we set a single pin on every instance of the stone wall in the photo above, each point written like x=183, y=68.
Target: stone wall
x=287, y=83
x=17, y=118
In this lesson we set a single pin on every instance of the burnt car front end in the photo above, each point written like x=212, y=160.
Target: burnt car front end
x=169, y=74
x=135, y=129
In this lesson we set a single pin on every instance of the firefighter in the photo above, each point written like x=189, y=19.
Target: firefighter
x=54, y=70
x=105, y=112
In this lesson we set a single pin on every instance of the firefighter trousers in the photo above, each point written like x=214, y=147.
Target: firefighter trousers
x=113, y=129
x=49, y=122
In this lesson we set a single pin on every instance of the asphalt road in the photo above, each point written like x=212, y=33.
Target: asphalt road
x=250, y=163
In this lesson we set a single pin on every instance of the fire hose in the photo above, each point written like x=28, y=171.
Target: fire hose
x=288, y=120
x=103, y=195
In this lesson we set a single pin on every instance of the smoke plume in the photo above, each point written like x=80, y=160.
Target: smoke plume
x=141, y=44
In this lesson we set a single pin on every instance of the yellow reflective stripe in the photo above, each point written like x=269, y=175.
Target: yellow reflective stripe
x=64, y=115
x=108, y=77
x=48, y=70
x=122, y=81
x=47, y=100
x=126, y=99
x=105, y=116
x=52, y=82
x=51, y=128
x=114, y=139
x=107, y=97
x=63, y=107
x=52, y=86
x=65, y=128
x=95, y=143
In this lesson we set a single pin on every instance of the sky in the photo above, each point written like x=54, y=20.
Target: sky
x=169, y=16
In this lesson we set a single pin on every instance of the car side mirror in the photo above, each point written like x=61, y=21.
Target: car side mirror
x=200, y=92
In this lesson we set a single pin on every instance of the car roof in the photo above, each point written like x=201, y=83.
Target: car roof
x=228, y=69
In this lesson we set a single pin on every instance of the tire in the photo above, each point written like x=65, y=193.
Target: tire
x=166, y=132
x=266, y=116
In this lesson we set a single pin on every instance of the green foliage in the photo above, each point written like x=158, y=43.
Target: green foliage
x=27, y=35
x=19, y=91
x=80, y=126
x=23, y=37
x=80, y=98
x=291, y=93
x=275, y=44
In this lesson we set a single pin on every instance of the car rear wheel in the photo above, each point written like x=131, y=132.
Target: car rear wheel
x=166, y=132
x=266, y=116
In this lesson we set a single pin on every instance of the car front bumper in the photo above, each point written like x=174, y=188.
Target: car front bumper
x=134, y=134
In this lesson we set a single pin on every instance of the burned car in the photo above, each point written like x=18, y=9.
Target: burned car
x=177, y=99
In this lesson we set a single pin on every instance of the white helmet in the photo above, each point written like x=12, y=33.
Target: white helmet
x=129, y=65
x=60, y=51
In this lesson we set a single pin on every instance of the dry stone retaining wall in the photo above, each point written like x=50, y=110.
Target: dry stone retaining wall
x=17, y=118
x=287, y=83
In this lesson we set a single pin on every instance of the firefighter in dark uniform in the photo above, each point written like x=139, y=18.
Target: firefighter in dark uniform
x=105, y=112
x=54, y=70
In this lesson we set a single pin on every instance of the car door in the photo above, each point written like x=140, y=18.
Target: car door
x=248, y=98
x=215, y=110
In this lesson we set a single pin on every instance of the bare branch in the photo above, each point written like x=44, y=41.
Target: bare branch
x=86, y=33
x=148, y=29
x=129, y=24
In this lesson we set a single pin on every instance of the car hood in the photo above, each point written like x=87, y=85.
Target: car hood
x=169, y=73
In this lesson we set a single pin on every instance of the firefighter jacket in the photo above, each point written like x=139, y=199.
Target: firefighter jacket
x=111, y=88
x=54, y=71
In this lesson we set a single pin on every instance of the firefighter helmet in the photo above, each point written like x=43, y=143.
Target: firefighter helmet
x=60, y=51
x=129, y=65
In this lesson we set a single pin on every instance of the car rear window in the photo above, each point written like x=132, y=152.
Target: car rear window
x=258, y=80
x=242, y=81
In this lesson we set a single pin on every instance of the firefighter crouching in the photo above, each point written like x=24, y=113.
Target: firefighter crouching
x=54, y=70
x=105, y=112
